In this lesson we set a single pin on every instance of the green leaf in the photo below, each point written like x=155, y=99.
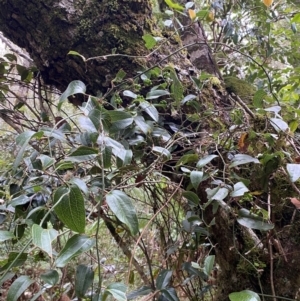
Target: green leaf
x=120, y=119
x=239, y=189
x=196, y=178
x=294, y=125
x=245, y=295
x=142, y=124
x=142, y=291
x=192, y=197
x=129, y=94
x=218, y=193
x=80, y=184
x=258, y=98
x=174, y=5
x=202, y=162
x=42, y=238
x=120, y=204
x=18, y=287
x=82, y=154
x=69, y=207
x=296, y=18
x=74, y=87
x=188, y=98
x=72, y=52
x=163, y=279
x=187, y=158
x=156, y=94
x=119, y=76
x=16, y=258
x=209, y=264
x=46, y=161
x=75, y=246
x=50, y=277
x=150, y=110
x=293, y=171
x=6, y=235
x=83, y=280
x=150, y=41
x=240, y=159
x=117, y=290
x=253, y=221
x=279, y=124
x=162, y=151
x=169, y=294
x=23, y=140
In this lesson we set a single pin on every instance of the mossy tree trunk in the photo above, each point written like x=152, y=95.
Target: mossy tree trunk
x=49, y=29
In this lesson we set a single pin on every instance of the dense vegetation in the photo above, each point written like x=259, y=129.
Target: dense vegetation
x=173, y=175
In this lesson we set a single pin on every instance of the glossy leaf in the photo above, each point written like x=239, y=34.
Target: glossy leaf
x=18, y=287
x=82, y=154
x=169, y=294
x=218, y=193
x=202, y=162
x=42, y=238
x=83, y=280
x=75, y=246
x=239, y=189
x=253, y=221
x=293, y=171
x=150, y=110
x=279, y=124
x=156, y=94
x=163, y=279
x=245, y=295
x=120, y=204
x=196, y=178
x=142, y=124
x=69, y=207
x=46, y=161
x=50, y=277
x=74, y=87
x=129, y=94
x=240, y=159
x=163, y=151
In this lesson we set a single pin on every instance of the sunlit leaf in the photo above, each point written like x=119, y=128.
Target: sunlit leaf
x=245, y=295
x=150, y=110
x=279, y=124
x=240, y=159
x=202, y=162
x=149, y=40
x=293, y=171
x=162, y=151
x=42, y=238
x=239, y=189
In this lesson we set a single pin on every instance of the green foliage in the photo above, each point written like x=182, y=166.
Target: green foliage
x=150, y=164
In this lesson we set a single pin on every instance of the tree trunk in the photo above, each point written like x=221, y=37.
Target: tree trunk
x=49, y=29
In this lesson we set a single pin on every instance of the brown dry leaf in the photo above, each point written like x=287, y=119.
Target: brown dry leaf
x=296, y=202
x=243, y=144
